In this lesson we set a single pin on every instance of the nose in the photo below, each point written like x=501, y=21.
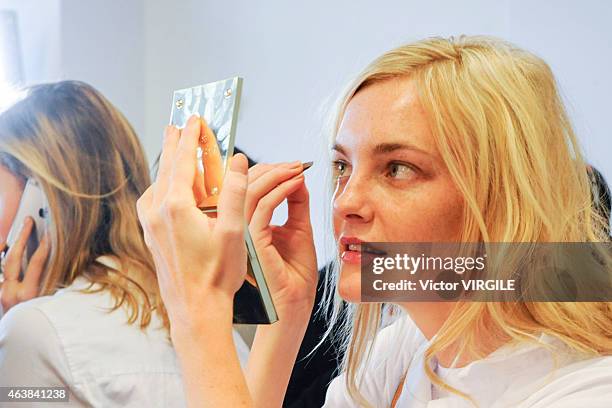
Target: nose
x=353, y=200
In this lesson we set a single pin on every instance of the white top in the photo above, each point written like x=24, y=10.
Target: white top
x=523, y=376
x=71, y=340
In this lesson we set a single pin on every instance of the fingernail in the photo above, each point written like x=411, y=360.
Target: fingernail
x=239, y=163
x=193, y=119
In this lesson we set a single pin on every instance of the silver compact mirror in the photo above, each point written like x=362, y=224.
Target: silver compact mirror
x=218, y=103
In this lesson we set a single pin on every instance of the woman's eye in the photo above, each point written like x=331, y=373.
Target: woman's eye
x=339, y=168
x=400, y=171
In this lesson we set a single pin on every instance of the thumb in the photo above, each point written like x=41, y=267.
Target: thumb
x=230, y=210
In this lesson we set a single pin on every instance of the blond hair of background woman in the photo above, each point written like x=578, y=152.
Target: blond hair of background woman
x=97, y=325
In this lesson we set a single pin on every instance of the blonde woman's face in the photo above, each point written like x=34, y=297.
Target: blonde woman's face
x=392, y=185
x=11, y=188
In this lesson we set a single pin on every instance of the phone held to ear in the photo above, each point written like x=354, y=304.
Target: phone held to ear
x=33, y=204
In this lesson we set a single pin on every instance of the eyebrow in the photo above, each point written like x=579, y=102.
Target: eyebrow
x=383, y=148
x=338, y=148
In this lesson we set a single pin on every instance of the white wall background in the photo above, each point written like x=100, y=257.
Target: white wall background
x=39, y=35
x=97, y=41
x=103, y=43
x=295, y=55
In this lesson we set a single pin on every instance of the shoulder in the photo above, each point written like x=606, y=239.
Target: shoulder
x=392, y=352
x=586, y=383
x=22, y=319
x=60, y=312
x=25, y=322
x=95, y=338
x=75, y=339
x=27, y=335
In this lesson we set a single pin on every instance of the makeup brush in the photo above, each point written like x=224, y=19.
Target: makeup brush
x=306, y=165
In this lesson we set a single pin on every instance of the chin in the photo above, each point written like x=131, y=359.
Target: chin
x=349, y=284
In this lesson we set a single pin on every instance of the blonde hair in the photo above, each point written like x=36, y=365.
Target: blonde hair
x=92, y=169
x=503, y=133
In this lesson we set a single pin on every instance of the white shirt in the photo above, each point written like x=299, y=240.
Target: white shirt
x=71, y=340
x=523, y=376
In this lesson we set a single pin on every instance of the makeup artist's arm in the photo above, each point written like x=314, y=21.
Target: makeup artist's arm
x=200, y=263
x=288, y=257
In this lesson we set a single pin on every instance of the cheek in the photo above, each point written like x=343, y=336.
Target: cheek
x=336, y=220
x=337, y=226
x=11, y=189
x=433, y=215
x=8, y=210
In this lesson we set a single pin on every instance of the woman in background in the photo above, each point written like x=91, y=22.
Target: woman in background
x=99, y=326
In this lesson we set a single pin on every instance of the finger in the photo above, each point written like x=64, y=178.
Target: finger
x=143, y=209
x=298, y=209
x=143, y=204
x=8, y=296
x=184, y=165
x=230, y=211
x=266, y=183
x=213, y=165
x=262, y=168
x=199, y=187
x=259, y=169
x=160, y=187
x=15, y=255
x=266, y=206
x=37, y=265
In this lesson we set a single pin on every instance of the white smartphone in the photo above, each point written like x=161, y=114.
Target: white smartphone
x=33, y=204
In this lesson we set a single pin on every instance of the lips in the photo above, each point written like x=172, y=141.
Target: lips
x=352, y=250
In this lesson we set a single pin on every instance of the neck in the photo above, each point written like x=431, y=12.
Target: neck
x=431, y=316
